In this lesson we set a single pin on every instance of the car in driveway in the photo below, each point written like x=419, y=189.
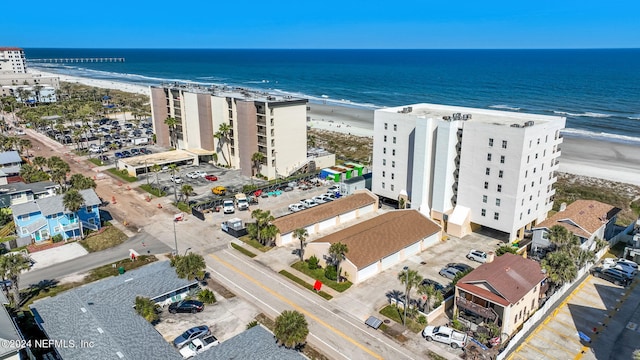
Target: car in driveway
x=308, y=203
x=211, y=177
x=296, y=207
x=449, y=272
x=186, y=306
x=477, y=255
x=176, y=179
x=191, y=334
x=460, y=266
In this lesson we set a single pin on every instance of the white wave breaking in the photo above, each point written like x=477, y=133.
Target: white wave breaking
x=584, y=114
x=505, y=107
x=601, y=136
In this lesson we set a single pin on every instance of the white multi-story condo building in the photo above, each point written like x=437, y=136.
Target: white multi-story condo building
x=468, y=168
x=272, y=125
x=12, y=60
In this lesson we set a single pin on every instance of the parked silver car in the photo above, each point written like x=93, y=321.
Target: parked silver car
x=477, y=255
x=449, y=272
x=191, y=334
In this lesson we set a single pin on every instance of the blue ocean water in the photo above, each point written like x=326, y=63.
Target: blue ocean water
x=597, y=90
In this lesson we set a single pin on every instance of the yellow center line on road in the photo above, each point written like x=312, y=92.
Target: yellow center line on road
x=297, y=307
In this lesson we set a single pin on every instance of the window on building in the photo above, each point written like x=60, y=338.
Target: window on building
x=526, y=173
x=394, y=139
x=89, y=209
x=497, y=202
x=483, y=212
x=501, y=159
x=384, y=150
x=25, y=217
x=524, y=187
x=393, y=164
x=490, y=142
x=393, y=176
x=393, y=152
x=383, y=173
x=484, y=198
x=500, y=173
x=533, y=183
x=544, y=153
x=486, y=185
x=534, y=170
x=504, y=144
x=383, y=185
x=529, y=212
x=487, y=171
x=391, y=187
x=395, y=127
x=536, y=155
x=385, y=138
x=530, y=144
x=57, y=229
x=499, y=188
x=538, y=141
x=520, y=216
x=496, y=216
x=489, y=157
x=25, y=231
x=528, y=158
x=385, y=126
x=384, y=162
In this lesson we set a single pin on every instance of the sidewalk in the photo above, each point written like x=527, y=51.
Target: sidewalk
x=56, y=255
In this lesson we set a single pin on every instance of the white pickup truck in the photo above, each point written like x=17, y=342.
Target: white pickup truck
x=196, y=346
x=228, y=207
x=241, y=201
x=445, y=335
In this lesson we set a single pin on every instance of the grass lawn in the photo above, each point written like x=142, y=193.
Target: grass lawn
x=33, y=294
x=396, y=313
x=123, y=176
x=297, y=280
x=243, y=250
x=255, y=243
x=96, y=161
x=318, y=274
x=616, y=251
x=108, y=237
x=153, y=191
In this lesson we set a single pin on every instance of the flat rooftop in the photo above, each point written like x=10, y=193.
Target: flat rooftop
x=447, y=112
x=162, y=158
x=232, y=92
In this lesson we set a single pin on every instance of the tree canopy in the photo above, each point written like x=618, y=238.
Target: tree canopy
x=291, y=329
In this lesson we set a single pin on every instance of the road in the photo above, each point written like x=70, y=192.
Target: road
x=90, y=261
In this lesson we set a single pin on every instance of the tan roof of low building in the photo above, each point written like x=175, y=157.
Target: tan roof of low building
x=582, y=217
x=302, y=219
x=374, y=239
x=510, y=276
x=158, y=158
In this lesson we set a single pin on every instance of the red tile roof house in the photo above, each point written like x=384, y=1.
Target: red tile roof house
x=506, y=290
x=587, y=219
x=379, y=243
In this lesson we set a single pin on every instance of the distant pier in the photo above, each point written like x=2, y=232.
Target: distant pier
x=77, y=60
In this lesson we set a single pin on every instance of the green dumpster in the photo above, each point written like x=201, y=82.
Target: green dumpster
x=121, y=270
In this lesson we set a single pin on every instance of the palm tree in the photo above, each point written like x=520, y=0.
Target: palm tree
x=428, y=291
x=189, y=266
x=301, y=234
x=11, y=266
x=338, y=252
x=257, y=158
x=172, y=123
x=207, y=296
x=155, y=168
x=25, y=144
x=263, y=219
x=268, y=233
x=291, y=329
x=186, y=190
x=147, y=308
x=81, y=182
x=73, y=201
x=223, y=133
x=560, y=267
x=410, y=279
x=39, y=161
x=173, y=168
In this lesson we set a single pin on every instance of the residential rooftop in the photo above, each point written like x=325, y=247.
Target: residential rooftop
x=374, y=239
x=36, y=187
x=326, y=211
x=448, y=112
x=54, y=204
x=103, y=312
x=9, y=157
x=505, y=280
x=582, y=217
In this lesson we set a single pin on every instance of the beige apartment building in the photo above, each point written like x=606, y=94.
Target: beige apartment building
x=272, y=125
x=12, y=60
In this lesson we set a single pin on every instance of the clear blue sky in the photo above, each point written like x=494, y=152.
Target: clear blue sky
x=322, y=24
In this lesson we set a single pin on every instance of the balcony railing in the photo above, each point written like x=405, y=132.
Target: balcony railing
x=90, y=226
x=71, y=226
x=487, y=313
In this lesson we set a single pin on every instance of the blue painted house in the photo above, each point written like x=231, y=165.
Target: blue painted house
x=46, y=217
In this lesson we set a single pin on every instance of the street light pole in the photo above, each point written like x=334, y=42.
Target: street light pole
x=406, y=296
x=175, y=237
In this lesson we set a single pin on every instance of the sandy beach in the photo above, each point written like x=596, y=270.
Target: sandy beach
x=586, y=157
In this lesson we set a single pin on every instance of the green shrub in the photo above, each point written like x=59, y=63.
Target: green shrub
x=422, y=320
x=313, y=262
x=252, y=324
x=505, y=249
x=207, y=296
x=57, y=238
x=331, y=273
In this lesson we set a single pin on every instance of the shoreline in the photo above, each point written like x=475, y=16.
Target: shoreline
x=609, y=160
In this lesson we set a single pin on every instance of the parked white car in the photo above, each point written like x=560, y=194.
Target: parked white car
x=200, y=173
x=296, y=207
x=447, y=335
x=176, y=179
x=319, y=199
x=228, y=207
x=477, y=255
x=308, y=203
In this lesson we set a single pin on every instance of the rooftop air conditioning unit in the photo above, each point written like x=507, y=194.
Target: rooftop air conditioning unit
x=529, y=123
x=446, y=117
x=515, y=125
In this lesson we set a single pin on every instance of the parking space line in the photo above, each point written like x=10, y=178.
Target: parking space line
x=297, y=307
x=552, y=344
x=534, y=348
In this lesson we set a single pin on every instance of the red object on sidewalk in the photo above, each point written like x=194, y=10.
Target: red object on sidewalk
x=317, y=286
